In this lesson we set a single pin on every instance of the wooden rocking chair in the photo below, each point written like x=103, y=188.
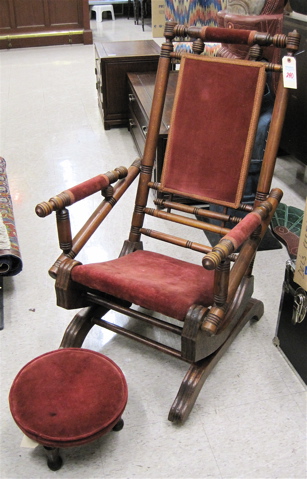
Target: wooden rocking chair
x=211, y=135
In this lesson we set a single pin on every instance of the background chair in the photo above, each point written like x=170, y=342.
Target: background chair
x=205, y=302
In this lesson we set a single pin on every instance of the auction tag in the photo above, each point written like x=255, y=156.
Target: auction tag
x=289, y=72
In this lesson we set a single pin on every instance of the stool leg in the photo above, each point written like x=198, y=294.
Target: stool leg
x=119, y=425
x=54, y=460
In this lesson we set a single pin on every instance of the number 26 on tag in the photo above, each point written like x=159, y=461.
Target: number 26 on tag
x=289, y=72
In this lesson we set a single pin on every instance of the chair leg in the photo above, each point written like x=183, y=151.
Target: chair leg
x=198, y=372
x=54, y=460
x=80, y=326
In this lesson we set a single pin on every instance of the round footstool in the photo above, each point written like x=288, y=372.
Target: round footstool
x=68, y=397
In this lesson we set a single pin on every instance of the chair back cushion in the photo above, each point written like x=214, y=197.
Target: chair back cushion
x=213, y=126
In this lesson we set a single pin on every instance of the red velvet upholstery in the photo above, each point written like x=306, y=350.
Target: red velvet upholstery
x=88, y=187
x=151, y=280
x=244, y=229
x=68, y=397
x=223, y=137
x=214, y=34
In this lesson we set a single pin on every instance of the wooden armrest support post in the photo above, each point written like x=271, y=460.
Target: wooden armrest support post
x=97, y=217
x=217, y=313
x=64, y=230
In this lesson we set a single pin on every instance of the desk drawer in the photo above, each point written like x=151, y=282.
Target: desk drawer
x=137, y=112
x=138, y=120
x=136, y=133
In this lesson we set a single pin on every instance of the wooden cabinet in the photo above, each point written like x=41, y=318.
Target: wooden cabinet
x=29, y=23
x=113, y=61
x=294, y=137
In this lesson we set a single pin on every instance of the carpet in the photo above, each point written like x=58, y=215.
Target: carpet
x=10, y=258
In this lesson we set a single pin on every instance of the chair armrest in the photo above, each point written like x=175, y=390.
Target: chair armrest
x=242, y=231
x=80, y=191
x=252, y=228
x=96, y=218
x=232, y=241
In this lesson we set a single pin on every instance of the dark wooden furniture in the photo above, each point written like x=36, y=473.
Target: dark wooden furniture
x=113, y=61
x=140, y=93
x=294, y=137
x=33, y=23
x=213, y=126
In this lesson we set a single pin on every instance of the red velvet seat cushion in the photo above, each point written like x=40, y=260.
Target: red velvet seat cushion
x=68, y=397
x=151, y=280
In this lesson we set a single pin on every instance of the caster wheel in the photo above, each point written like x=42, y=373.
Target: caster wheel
x=54, y=460
x=119, y=426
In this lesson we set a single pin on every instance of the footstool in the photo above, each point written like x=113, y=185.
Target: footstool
x=68, y=397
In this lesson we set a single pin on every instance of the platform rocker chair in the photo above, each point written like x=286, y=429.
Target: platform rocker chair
x=213, y=125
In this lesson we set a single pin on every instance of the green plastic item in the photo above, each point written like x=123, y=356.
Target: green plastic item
x=288, y=216
x=286, y=224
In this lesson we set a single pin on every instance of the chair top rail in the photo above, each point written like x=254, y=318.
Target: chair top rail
x=234, y=36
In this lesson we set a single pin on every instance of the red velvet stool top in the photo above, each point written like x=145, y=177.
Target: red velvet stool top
x=68, y=397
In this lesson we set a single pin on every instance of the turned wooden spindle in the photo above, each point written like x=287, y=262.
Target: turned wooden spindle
x=214, y=318
x=64, y=230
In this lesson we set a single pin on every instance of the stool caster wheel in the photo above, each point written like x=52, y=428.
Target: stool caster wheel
x=54, y=460
x=119, y=426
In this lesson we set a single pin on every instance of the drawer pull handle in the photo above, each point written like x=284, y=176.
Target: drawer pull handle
x=144, y=130
x=131, y=97
x=131, y=123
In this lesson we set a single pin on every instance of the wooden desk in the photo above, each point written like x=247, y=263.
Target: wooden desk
x=113, y=61
x=140, y=91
